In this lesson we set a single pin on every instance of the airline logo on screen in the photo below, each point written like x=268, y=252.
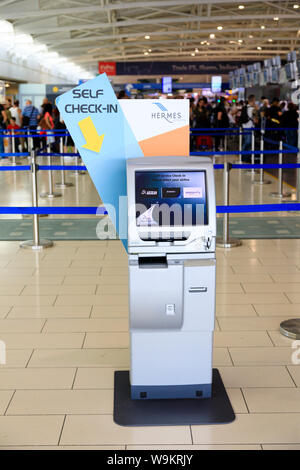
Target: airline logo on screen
x=170, y=117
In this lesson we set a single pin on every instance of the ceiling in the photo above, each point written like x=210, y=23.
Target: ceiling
x=86, y=31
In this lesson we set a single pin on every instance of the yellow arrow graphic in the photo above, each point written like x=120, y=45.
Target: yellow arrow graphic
x=93, y=139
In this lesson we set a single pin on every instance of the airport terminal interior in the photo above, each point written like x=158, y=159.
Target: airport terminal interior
x=189, y=102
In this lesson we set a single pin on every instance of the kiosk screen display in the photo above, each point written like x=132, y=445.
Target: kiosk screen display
x=170, y=198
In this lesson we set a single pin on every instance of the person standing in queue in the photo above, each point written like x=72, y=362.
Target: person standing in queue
x=221, y=121
x=30, y=117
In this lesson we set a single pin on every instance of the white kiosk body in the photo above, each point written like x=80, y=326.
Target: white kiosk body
x=172, y=272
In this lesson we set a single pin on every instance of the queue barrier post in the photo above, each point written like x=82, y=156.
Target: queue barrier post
x=225, y=241
x=36, y=244
x=240, y=145
x=13, y=148
x=280, y=194
x=63, y=184
x=50, y=194
x=77, y=172
x=262, y=180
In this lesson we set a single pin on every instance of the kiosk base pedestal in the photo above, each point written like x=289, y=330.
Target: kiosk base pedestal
x=128, y=412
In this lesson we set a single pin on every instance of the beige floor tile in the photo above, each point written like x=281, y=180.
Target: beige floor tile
x=80, y=358
x=251, y=277
x=261, y=356
x=84, y=280
x=281, y=269
x=256, y=376
x=108, y=280
x=272, y=400
x=55, y=290
x=280, y=340
x=101, y=430
x=221, y=357
x=30, y=430
x=109, y=271
x=26, y=300
x=109, y=312
x=290, y=278
x=277, y=261
x=112, y=289
x=276, y=287
x=4, y=311
x=24, y=378
x=280, y=310
x=31, y=280
x=235, y=311
x=16, y=358
x=106, y=340
x=195, y=447
x=281, y=447
x=90, y=325
x=20, y=325
x=50, y=312
x=11, y=289
x=249, y=323
x=42, y=340
x=258, y=298
x=12, y=272
x=96, y=377
x=241, y=339
x=229, y=288
x=50, y=271
x=251, y=429
x=105, y=300
x=5, y=397
x=249, y=262
x=294, y=297
x=295, y=372
x=48, y=402
x=237, y=400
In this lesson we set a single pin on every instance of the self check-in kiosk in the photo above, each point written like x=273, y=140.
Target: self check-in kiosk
x=172, y=275
x=172, y=272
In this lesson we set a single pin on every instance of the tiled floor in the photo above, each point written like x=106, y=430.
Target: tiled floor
x=63, y=317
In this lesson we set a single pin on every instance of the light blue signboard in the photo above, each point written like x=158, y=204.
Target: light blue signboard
x=104, y=140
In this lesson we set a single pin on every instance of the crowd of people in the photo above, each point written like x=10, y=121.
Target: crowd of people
x=217, y=117
x=46, y=118
x=222, y=115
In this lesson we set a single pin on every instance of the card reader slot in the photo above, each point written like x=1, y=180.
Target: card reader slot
x=153, y=262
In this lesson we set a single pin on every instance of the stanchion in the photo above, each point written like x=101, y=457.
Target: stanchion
x=252, y=171
x=36, y=243
x=63, y=184
x=280, y=194
x=77, y=172
x=261, y=180
x=225, y=241
x=50, y=194
x=240, y=144
x=13, y=149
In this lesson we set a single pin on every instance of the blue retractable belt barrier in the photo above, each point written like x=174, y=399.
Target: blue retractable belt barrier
x=243, y=152
x=248, y=208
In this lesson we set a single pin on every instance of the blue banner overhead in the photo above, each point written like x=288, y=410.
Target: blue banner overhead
x=177, y=68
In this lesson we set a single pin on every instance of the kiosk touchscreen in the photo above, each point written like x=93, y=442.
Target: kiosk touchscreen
x=172, y=270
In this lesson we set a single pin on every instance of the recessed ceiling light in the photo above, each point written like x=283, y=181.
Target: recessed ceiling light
x=196, y=50
x=208, y=43
x=276, y=18
x=220, y=28
x=212, y=36
x=296, y=6
x=241, y=7
x=259, y=48
x=262, y=27
x=147, y=36
x=202, y=42
x=149, y=50
x=270, y=40
x=146, y=53
x=193, y=54
x=240, y=41
x=250, y=36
